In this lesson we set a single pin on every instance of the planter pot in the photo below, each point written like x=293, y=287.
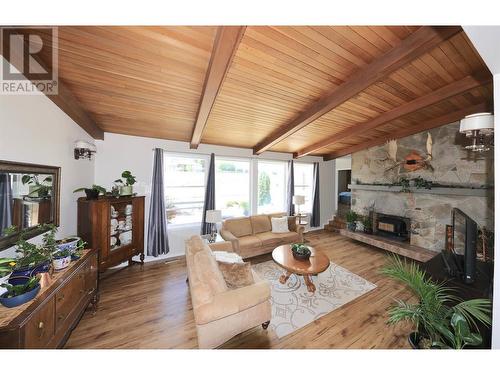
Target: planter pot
x=68, y=243
x=91, y=194
x=301, y=256
x=351, y=226
x=126, y=190
x=28, y=272
x=4, y=280
x=19, y=300
x=368, y=230
x=414, y=340
x=61, y=263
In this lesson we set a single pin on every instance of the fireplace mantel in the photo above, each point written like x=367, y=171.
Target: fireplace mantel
x=476, y=192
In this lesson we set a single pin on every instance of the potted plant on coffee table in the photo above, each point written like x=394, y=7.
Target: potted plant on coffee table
x=440, y=319
x=21, y=292
x=126, y=183
x=351, y=217
x=91, y=192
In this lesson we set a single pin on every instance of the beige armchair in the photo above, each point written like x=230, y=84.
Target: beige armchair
x=251, y=236
x=221, y=313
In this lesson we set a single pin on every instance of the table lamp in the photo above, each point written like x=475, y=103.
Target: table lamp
x=213, y=217
x=299, y=200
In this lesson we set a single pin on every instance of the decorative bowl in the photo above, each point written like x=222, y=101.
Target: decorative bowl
x=19, y=300
x=28, y=272
x=68, y=243
x=301, y=251
x=60, y=263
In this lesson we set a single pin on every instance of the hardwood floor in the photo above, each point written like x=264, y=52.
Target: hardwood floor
x=150, y=307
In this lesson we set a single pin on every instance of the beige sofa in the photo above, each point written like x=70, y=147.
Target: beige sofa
x=221, y=313
x=252, y=235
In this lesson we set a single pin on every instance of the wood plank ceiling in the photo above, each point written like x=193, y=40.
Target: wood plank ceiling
x=324, y=90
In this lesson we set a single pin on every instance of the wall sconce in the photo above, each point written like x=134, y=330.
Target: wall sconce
x=479, y=127
x=84, y=150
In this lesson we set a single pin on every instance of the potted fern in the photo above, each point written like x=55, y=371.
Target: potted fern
x=126, y=183
x=441, y=319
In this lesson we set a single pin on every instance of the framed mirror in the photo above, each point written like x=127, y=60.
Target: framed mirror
x=29, y=197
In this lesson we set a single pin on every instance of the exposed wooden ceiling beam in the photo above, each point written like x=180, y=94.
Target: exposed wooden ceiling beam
x=413, y=129
x=434, y=97
x=424, y=39
x=225, y=46
x=64, y=99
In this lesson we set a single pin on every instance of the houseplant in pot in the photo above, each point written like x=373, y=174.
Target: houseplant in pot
x=351, y=217
x=367, y=224
x=126, y=183
x=37, y=188
x=21, y=292
x=300, y=251
x=6, y=265
x=91, y=192
x=61, y=259
x=31, y=258
x=441, y=319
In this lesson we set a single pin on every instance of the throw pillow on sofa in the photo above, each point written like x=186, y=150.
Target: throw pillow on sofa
x=236, y=275
x=279, y=224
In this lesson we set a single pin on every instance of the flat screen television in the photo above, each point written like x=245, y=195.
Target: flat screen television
x=464, y=244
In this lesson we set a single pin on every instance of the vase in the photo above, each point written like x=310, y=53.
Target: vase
x=126, y=190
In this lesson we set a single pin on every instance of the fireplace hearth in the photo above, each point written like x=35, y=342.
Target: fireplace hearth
x=392, y=226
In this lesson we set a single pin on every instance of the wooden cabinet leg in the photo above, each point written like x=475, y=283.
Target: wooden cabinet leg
x=94, y=301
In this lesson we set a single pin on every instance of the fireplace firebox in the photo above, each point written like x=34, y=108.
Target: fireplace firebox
x=392, y=226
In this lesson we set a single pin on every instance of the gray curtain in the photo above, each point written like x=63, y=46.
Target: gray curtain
x=157, y=227
x=315, y=221
x=290, y=190
x=6, y=202
x=209, y=204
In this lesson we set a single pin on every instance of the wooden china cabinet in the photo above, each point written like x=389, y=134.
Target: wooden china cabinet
x=113, y=226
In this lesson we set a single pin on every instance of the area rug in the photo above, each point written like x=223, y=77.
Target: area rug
x=294, y=307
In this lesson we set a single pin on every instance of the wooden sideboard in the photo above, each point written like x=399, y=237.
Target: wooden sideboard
x=47, y=321
x=95, y=227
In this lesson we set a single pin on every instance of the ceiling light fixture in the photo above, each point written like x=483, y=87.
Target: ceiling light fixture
x=479, y=127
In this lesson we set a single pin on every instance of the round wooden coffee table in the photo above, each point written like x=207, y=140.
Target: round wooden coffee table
x=317, y=263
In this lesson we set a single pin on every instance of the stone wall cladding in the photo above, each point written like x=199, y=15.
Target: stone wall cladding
x=429, y=213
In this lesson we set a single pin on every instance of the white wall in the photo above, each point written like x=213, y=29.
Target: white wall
x=119, y=152
x=35, y=130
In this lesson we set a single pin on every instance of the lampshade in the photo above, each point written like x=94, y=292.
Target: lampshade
x=299, y=199
x=478, y=121
x=213, y=216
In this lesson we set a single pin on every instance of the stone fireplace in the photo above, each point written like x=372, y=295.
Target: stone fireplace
x=464, y=177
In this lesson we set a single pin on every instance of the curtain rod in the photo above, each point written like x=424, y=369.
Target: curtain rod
x=223, y=155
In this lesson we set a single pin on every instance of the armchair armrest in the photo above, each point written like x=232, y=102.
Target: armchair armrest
x=222, y=246
x=233, y=301
x=228, y=236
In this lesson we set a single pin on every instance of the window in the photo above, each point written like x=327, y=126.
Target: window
x=303, y=179
x=184, y=188
x=271, y=187
x=232, y=187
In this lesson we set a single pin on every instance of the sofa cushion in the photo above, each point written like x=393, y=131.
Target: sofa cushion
x=208, y=273
x=249, y=242
x=286, y=238
x=239, y=227
x=236, y=275
x=269, y=238
x=260, y=223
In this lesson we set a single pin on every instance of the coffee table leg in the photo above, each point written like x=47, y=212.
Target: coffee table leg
x=310, y=286
x=284, y=278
